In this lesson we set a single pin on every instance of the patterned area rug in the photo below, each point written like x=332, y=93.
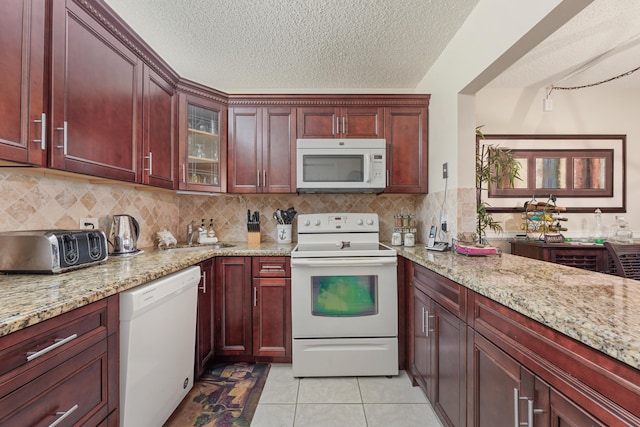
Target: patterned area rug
x=225, y=396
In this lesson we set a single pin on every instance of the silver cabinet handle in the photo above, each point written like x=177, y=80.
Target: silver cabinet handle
x=336, y=130
x=530, y=410
x=516, y=412
x=344, y=129
x=184, y=173
x=150, y=157
x=426, y=327
x=63, y=415
x=43, y=131
x=203, y=288
x=423, y=319
x=255, y=296
x=387, y=177
x=258, y=183
x=64, y=137
x=58, y=342
x=264, y=178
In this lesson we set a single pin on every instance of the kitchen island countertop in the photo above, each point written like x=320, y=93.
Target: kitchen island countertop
x=27, y=299
x=598, y=310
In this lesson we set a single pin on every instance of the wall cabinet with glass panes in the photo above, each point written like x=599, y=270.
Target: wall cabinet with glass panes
x=203, y=144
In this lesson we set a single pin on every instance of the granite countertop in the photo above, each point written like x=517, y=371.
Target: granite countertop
x=31, y=298
x=596, y=309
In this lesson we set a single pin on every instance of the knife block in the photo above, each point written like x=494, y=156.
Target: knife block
x=253, y=237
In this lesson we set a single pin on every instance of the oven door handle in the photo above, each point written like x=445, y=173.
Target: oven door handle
x=344, y=262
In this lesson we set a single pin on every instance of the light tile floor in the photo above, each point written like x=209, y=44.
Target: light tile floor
x=341, y=401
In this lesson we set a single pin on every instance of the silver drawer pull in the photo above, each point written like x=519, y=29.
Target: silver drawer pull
x=43, y=131
x=203, y=278
x=63, y=415
x=64, y=138
x=59, y=342
x=150, y=157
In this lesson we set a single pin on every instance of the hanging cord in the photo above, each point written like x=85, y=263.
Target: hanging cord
x=628, y=44
x=628, y=73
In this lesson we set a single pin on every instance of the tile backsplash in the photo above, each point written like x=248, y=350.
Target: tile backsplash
x=36, y=198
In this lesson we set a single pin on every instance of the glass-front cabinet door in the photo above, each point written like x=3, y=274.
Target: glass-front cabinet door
x=203, y=145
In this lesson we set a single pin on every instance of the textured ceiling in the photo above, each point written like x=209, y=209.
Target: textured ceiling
x=600, y=42
x=306, y=46
x=263, y=46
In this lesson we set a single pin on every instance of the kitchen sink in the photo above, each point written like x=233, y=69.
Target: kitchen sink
x=183, y=248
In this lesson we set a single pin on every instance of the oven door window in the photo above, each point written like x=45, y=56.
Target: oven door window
x=332, y=168
x=344, y=296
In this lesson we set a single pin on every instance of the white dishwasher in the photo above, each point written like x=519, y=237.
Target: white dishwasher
x=157, y=347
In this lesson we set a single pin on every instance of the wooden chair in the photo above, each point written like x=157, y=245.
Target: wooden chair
x=626, y=258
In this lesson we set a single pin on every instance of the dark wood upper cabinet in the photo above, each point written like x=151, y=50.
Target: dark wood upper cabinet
x=158, y=159
x=22, y=82
x=400, y=119
x=262, y=149
x=340, y=122
x=202, y=129
x=96, y=97
x=406, y=133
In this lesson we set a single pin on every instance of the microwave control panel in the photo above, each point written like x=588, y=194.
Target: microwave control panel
x=378, y=167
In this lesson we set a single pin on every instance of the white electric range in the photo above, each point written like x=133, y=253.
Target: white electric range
x=343, y=297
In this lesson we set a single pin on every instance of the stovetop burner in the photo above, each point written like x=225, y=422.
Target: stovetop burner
x=339, y=235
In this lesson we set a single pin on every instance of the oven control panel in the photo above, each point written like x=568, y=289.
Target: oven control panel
x=333, y=222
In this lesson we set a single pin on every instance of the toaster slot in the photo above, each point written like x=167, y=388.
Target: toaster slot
x=95, y=246
x=70, y=252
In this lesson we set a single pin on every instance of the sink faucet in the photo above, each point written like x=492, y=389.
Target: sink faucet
x=190, y=232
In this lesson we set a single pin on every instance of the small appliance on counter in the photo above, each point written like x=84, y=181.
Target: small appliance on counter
x=51, y=251
x=124, y=234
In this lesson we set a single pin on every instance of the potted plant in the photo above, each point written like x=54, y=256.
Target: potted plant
x=494, y=165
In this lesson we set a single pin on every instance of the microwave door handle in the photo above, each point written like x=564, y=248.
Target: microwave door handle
x=368, y=168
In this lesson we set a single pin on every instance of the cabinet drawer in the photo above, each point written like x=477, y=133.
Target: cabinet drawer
x=51, y=342
x=445, y=292
x=276, y=266
x=74, y=388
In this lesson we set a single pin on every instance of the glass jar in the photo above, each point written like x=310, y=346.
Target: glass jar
x=396, y=239
x=622, y=233
x=409, y=239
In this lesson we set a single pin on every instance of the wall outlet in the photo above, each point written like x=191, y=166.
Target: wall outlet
x=89, y=224
x=445, y=171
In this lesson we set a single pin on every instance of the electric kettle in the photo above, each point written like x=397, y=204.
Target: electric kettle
x=125, y=231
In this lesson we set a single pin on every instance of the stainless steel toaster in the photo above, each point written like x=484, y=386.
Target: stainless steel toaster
x=51, y=251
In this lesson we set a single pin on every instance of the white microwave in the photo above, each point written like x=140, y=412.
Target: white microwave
x=341, y=165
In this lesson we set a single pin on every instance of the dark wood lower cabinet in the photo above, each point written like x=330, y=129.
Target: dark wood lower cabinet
x=272, y=317
x=493, y=377
x=439, y=348
x=592, y=258
x=253, y=309
x=205, y=337
x=504, y=390
x=77, y=377
x=233, y=306
x=481, y=364
x=571, y=383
